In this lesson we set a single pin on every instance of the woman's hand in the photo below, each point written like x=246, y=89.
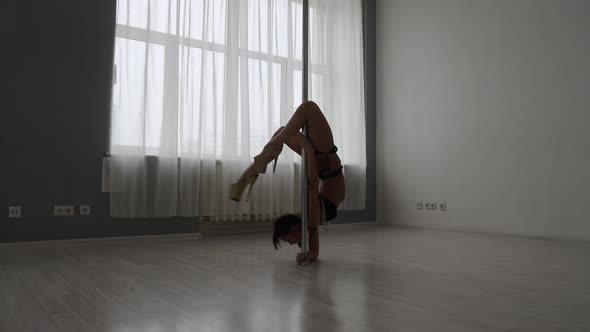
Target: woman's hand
x=301, y=258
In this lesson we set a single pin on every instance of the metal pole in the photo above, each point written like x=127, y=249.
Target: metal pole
x=304, y=233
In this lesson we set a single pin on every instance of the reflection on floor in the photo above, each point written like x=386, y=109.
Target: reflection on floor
x=367, y=279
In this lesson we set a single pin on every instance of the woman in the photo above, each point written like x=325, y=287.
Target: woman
x=326, y=188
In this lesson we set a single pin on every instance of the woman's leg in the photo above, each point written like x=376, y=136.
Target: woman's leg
x=318, y=129
x=292, y=142
x=318, y=132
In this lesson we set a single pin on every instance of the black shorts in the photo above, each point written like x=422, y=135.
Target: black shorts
x=329, y=209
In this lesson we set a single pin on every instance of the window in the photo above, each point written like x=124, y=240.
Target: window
x=182, y=72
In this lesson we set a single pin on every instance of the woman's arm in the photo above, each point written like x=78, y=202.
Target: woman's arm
x=313, y=200
x=314, y=243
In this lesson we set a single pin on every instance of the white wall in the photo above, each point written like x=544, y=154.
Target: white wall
x=485, y=104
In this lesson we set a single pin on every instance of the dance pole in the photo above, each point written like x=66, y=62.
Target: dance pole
x=304, y=233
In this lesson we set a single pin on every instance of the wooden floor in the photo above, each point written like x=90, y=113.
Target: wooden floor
x=368, y=279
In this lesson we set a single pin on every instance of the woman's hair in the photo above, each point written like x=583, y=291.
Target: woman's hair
x=282, y=226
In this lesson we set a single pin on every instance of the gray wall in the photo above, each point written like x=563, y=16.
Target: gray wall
x=484, y=104
x=55, y=122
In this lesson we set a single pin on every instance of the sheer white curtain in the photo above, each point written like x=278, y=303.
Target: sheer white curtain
x=199, y=88
x=337, y=85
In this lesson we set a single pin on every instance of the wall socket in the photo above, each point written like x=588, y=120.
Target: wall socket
x=63, y=210
x=14, y=212
x=430, y=206
x=84, y=210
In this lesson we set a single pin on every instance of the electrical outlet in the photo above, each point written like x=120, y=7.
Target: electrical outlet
x=442, y=206
x=84, y=210
x=430, y=206
x=14, y=212
x=419, y=206
x=63, y=210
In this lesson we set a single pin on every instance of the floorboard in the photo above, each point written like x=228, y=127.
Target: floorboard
x=367, y=279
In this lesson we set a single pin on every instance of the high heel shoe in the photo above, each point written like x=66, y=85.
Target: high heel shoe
x=236, y=190
x=269, y=153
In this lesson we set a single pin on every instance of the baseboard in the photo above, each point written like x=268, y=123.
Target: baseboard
x=489, y=233
x=94, y=241
x=353, y=225
x=244, y=229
